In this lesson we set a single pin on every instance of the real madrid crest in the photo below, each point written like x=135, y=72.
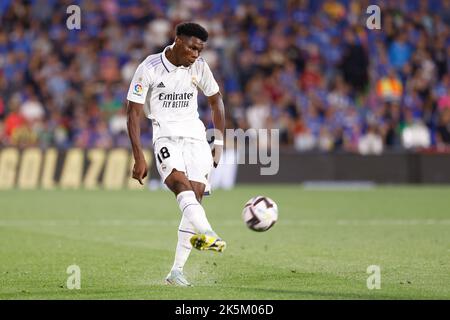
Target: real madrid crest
x=194, y=81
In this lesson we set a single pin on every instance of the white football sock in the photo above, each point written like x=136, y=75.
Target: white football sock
x=194, y=212
x=184, y=247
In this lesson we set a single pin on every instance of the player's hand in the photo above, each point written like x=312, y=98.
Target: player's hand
x=216, y=154
x=140, y=170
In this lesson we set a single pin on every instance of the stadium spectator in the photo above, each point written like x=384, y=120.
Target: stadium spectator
x=399, y=51
x=389, y=88
x=371, y=142
x=415, y=134
x=354, y=62
x=307, y=68
x=31, y=109
x=443, y=130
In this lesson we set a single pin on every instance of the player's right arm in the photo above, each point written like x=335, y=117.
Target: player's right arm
x=137, y=93
x=140, y=167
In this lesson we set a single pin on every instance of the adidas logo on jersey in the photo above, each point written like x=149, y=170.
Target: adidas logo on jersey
x=161, y=85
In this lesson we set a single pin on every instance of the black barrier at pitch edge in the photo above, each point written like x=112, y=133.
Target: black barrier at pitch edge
x=396, y=168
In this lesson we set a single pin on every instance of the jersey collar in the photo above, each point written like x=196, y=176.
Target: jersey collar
x=166, y=63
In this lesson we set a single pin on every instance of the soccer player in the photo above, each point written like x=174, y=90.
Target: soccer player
x=165, y=86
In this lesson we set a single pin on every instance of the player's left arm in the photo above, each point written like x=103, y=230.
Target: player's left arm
x=218, y=117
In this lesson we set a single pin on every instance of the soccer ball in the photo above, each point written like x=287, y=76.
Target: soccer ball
x=260, y=213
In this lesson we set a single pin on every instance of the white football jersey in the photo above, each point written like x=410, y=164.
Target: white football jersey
x=169, y=95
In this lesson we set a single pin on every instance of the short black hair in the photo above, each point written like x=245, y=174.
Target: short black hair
x=192, y=29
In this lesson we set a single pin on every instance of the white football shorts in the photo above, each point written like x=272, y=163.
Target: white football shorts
x=191, y=156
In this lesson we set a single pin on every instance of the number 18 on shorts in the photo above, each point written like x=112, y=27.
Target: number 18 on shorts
x=191, y=156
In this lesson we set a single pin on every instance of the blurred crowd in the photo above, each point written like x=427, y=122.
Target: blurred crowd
x=311, y=69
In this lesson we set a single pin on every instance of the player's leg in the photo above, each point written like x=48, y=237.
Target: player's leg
x=183, y=249
x=199, y=189
x=188, y=202
x=170, y=165
x=193, y=223
x=208, y=241
x=198, y=161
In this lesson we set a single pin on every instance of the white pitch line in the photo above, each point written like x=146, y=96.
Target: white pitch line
x=228, y=222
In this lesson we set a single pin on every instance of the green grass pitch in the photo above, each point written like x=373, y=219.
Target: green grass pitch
x=123, y=242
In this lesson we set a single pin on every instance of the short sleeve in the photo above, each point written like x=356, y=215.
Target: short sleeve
x=207, y=82
x=139, y=85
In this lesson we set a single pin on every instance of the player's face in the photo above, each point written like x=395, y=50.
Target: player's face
x=190, y=48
